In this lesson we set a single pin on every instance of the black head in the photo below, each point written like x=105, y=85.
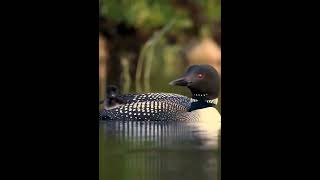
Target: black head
x=112, y=91
x=202, y=80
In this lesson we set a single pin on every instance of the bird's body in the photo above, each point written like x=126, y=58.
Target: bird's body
x=169, y=106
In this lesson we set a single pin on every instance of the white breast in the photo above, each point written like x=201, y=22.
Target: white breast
x=208, y=124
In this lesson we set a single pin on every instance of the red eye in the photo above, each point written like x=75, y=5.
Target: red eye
x=200, y=76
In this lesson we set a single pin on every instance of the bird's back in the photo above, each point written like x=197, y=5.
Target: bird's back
x=149, y=106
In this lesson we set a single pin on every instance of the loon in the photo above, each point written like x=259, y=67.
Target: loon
x=112, y=100
x=203, y=82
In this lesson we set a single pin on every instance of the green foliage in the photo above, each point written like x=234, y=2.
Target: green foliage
x=153, y=14
x=213, y=9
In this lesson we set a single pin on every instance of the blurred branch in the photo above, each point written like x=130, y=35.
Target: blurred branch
x=146, y=63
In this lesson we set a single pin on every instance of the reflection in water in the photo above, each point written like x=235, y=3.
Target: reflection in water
x=157, y=150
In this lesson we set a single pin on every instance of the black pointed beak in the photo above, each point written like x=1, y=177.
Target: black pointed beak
x=180, y=82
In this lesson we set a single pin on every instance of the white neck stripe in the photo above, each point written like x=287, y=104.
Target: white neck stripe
x=212, y=101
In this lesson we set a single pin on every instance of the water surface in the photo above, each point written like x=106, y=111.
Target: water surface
x=156, y=150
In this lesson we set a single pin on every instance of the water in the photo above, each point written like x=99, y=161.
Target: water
x=158, y=150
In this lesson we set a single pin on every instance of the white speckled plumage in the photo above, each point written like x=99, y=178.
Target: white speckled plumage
x=154, y=106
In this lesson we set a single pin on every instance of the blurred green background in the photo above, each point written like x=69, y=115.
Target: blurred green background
x=144, y=41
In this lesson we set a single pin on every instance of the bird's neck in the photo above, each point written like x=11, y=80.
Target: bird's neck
x=200, y=104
